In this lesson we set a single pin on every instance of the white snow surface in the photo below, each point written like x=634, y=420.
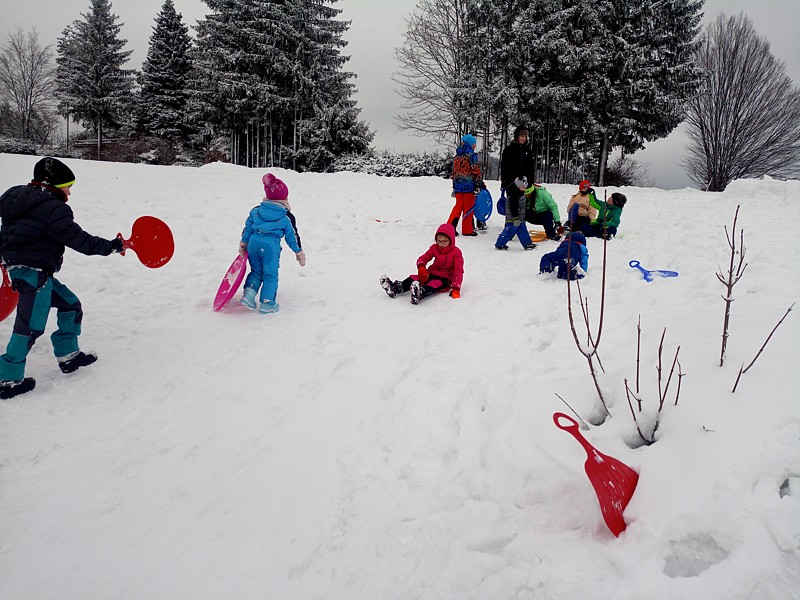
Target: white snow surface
x=354, y=446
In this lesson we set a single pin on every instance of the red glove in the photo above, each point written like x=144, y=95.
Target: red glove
x=455, y=293
x=422, y=272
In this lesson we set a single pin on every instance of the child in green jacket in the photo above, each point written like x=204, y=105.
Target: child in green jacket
x=609, y=214
x=543, y=210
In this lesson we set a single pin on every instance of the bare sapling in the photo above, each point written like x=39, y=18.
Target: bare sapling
x=663, y=388
x=583, y=423
x=589, y=351
x=638, y=350
x=744, y=369
x=736, y=269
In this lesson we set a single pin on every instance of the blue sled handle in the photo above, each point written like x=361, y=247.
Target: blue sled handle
x=648, y=275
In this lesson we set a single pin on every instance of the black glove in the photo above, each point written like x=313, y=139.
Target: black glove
x=557, y=223
x=117, y=245
x=591, y=191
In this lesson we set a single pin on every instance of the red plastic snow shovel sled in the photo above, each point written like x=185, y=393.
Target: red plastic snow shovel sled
x=231, y=282
x=8, y=297
x=151, y=240
x=613, y=481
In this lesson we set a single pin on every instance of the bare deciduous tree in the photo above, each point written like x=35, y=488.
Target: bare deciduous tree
x=746, y=122
x=26, y=87
x=432, y=64
x=624, y=170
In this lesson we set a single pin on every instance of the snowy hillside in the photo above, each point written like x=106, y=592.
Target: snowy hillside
x=353, y=446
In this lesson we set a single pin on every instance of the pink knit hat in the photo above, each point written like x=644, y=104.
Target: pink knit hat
x=274, y=188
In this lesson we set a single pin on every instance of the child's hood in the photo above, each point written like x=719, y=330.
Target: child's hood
x=575, y=236
x=464, y=148
x=448, y=230
x=271, y=211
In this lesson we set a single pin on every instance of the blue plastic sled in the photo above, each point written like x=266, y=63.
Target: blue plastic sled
x=648, y=275
x=483, y=205
x=501, y=203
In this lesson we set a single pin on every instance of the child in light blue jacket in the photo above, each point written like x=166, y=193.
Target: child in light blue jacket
x=261, y=241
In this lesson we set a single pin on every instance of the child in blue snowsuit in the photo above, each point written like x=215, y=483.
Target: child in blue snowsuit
x=516, y=205
x=261, y=240
x=574, y=244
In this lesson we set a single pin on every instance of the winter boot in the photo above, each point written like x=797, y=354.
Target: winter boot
x=392, y=288
x=417, y=293
x=482, y=226
x=76, y=360
x=555, y=238
x=530, y=246
x=501, y=247
x=248, y=298
x=9, y=389
x=269, y=306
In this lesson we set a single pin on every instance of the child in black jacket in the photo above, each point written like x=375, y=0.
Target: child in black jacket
x=37, y=226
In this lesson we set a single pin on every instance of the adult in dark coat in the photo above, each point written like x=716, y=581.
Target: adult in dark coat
x=516, y=161
x=37, y=226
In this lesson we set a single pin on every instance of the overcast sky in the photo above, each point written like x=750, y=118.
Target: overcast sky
x=376, y=30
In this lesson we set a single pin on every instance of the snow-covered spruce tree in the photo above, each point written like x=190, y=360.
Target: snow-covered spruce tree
x=600, y=74
x=269, y=72
x=651, y=72
x=325, y=123
x=93, y=87
x=746, y=121
x=243, y=73
x=162, y=107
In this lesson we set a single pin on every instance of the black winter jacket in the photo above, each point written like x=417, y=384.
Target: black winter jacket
x=517, y=161
x=36, y=226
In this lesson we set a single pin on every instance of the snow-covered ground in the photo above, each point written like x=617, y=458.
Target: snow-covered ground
x=352, y=446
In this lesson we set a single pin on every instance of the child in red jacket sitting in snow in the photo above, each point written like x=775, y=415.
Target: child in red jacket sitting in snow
x=446, y=272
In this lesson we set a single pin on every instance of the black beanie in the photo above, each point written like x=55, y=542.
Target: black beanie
x=53, y=172
x=519, y=129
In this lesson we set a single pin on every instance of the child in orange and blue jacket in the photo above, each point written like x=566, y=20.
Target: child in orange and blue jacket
x=446, y=272
x=466, y=183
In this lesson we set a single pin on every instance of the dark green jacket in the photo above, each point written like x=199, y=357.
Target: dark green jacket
x=607, y=214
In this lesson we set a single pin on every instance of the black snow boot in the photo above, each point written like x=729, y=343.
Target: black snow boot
x=73, y=362
x=417, y=292
x=9, y=389
x=392, y=288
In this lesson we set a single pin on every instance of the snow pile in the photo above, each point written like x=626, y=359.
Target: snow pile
x=354, y=446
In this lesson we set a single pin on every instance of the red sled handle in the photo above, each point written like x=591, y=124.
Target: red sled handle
x=574, y=429
x=125, y=244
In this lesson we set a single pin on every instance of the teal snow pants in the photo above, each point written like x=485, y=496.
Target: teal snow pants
x=38, y=293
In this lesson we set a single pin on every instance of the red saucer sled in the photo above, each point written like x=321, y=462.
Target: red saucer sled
x=151, y=239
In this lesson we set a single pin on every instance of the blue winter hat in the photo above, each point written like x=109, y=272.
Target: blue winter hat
x=469, y=139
